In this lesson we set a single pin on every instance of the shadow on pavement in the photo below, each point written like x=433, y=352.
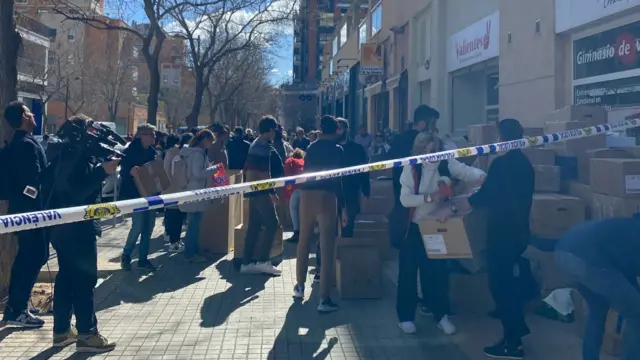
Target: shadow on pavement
x=139, y=286
x=243, y=290
x=304, y=331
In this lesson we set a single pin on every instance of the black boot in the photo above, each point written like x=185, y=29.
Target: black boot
x=505, y=350
x=294, y=238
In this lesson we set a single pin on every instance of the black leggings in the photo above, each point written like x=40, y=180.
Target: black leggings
x=434, y=279
x=173, y=220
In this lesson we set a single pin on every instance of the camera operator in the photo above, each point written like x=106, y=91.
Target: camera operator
x=77, y=182
x=25, y=161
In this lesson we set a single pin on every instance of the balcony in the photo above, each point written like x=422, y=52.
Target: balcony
x=28, y=25
x=33, y=54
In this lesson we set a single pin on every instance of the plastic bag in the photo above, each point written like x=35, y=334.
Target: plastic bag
x=219, y=177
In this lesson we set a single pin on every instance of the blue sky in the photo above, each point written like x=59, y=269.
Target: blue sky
x=282, y=57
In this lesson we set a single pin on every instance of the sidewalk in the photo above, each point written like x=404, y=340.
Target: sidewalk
x=209, y=311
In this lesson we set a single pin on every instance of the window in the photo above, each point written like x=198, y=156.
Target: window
x=423, y=36
x=362, y=34
x=135, y=51
x=330, y=67
x=20, y=1
x=335, y=46
x=326, y=20
x=376, y=19
x=71, y=35
x=134, y=73
x=343, y=34
x=70, y=59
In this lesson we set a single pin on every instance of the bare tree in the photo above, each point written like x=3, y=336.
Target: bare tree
x=177, y=105
x=224, y=27
x=9, y=46
x=112, y=83
x=151, y=36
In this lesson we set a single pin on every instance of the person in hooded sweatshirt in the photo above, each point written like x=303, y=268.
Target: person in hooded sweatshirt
x=139, y=152
x=601, y=256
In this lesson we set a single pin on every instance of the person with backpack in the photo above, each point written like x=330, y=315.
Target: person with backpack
x=194, y=163
x=420, y=194
x=173, y=217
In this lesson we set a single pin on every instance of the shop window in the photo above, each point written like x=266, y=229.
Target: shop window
x=492, y=90
x=376, y=19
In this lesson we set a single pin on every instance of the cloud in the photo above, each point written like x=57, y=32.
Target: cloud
x=275, y=71
x=289, y=73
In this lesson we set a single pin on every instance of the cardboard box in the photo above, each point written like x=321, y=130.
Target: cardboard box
x=372, y=222
x=381, y=200
x=616, y=177
x=574, y=147
x=470, y=294
x=152, y=179
x=217, y=232
x=483, y=134
x=581, y=191
x=553, y=214
x=633, y=150
x=277, y=246
x=379, y=237
x=547, y=178
x=533, y=131
x=540, y=156
x=606, y=206
x=591, y=115
x=545, y=270
x=461, y=237
x=584, y=162
x=358, y=269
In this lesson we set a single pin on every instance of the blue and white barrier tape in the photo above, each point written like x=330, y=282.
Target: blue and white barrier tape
x=38, y=219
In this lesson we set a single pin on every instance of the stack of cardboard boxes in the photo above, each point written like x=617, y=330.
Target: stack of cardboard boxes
x=239, y=234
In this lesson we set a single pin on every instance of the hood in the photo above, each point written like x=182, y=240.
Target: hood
x=293, y=165
x=188, y=151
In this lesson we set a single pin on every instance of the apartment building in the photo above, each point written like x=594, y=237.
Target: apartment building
x=32, y=63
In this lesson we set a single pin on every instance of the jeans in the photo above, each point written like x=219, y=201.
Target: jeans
x=192, y=235
x=320, y=206
x=603, y=289
x=33, y=253
x=294, y=208
x=507, y=285
x=261, y=230
x=434, y=279
x=77, y=252
x=142, y=224
x=173, y=220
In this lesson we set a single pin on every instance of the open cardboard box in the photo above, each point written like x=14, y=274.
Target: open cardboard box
x=152, y=179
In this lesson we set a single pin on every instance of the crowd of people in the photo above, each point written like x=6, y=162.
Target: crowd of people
x=600, y=256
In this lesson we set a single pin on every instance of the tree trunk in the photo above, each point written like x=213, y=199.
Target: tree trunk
x=154, y=90
x=192, y=118
x=9, y=44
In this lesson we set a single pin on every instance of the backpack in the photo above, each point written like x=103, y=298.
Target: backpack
x=178, y=174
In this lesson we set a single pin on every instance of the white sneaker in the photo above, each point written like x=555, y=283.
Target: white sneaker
x=298, y=292
x=446, y=326
x=408, y=327
x=176, y=248
x=249, y=269
x=268, y=268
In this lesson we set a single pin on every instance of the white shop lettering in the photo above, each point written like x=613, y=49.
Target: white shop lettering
x=33, y=218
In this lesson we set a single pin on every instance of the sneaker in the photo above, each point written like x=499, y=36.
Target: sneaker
x=446, y=326
x=298, y=292
x=67, y=338
x=249, y=269
x=504, y=350
x=176, y=248
x=267, y=268
x=125, y=263
x=96, y=344
x=327, y=306
x=25, y=320
x=408, y=327
x=294, y=239
x=316, y=278
x=146, y=265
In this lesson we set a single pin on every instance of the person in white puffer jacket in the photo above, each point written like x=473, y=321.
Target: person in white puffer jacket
x=434, y=277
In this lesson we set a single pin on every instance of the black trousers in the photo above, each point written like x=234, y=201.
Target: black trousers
x=33, y=253
x=173, y=220
x=434, y=279
x=77, y=252
x=258, y=242
x=508, y=287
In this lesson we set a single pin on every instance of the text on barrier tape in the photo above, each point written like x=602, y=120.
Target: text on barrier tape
x=31, y=220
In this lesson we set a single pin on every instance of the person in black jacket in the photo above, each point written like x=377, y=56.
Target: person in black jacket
x=139, y=152
x=237, y=149
x=507, y=195
x=26, y=163
x=601, y=256
x=78, y=182
x=354, y=186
